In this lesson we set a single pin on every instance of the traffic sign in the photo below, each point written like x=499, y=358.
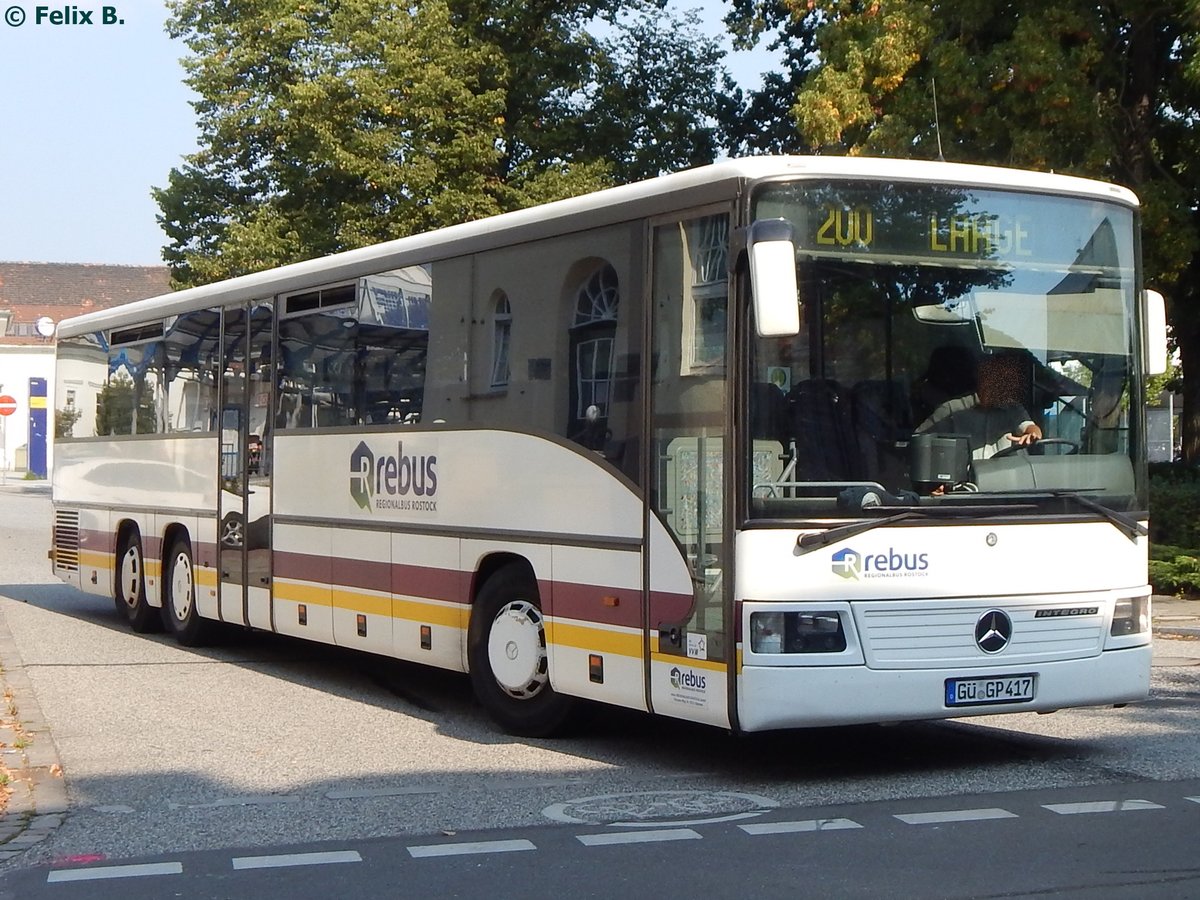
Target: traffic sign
x=8, y=405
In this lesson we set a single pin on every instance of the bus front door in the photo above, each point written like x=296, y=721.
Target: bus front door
x=244, y=505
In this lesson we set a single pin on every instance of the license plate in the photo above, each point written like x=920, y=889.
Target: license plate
x=990, y=689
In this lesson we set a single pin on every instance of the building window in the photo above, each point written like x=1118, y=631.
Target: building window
x=593, y=343
x=706, y=241
x=501, y=340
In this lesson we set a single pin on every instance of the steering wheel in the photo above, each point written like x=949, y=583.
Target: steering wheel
x=1034, y=447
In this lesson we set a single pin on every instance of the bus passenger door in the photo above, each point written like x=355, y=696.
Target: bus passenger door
x=244, y=504
x=690, y=628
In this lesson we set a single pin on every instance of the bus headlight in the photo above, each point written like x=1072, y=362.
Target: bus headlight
x=1131, y=615
x=797, y=632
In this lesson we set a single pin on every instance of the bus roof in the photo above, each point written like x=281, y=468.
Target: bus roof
x=706, y=184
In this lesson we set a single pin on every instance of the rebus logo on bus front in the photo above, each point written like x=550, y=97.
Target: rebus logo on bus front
x=386, y=481
x=852, y=565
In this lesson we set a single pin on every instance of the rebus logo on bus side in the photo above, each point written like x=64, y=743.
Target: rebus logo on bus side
x=394, y=475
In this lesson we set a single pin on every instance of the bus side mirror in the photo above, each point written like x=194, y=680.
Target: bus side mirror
x=773, y=278
x=1156, y=333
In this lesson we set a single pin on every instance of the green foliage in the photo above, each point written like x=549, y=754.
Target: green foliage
x=327, y=125
x=115, y=408
x=1174, y=505
x=1106, y=89
x=1175, y=529
x=64, y=421
x=1174, y=570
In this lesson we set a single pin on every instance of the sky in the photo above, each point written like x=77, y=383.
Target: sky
x=93, y=117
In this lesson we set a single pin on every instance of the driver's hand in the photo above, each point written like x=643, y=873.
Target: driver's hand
x=1028, y=436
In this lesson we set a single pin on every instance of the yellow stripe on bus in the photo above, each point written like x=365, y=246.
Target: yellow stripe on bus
x=586, y=637
x=96, y=560
x=413, y=610
x=713, y=665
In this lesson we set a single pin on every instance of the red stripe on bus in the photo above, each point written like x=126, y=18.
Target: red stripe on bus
x=586, y=602
x=395, y=578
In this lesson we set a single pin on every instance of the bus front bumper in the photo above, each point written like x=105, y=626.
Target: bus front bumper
x=775, y=697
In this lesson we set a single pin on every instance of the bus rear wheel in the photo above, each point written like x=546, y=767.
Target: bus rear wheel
x=129, y=592
x=507, y=655
x=179, y=611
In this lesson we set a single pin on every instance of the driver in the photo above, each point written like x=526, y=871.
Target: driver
x=992, y=418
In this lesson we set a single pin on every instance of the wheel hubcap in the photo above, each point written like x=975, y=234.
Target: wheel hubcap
x=517, y=649
x=131, y=581
x=181, y=586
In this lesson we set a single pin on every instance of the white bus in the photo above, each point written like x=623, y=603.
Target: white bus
x=665, y=446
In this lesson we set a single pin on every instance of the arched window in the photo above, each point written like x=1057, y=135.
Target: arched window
x=593, y=334
x=501, y=338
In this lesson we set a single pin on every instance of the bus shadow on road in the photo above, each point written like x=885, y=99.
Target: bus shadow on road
x=657, y=746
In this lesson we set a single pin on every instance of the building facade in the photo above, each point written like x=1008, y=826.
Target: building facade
x=34, y=298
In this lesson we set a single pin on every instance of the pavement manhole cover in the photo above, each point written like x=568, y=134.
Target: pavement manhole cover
x=650, y=808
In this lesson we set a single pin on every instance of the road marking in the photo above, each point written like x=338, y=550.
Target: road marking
x=1193, y=799
x=467, y=848
x=803, y=826
x=296, y=859
x=98, y=872
x=955, y=815
x=261, y=800
x=638, y=837
x=1099, y=806
x=370, y=793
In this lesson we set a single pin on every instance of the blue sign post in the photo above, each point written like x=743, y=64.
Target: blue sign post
x=37, y=427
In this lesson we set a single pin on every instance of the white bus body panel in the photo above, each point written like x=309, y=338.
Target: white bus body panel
x=909, y=626
x=431, y=506
x=154, y=483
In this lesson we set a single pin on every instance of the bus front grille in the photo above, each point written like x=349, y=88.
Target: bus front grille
x=900, y=635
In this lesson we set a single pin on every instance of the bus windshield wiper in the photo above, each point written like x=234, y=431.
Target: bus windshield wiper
x=1127, y=525
x=816, y=540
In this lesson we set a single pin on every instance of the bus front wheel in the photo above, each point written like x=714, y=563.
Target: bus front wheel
x=507, y=656
x=179, y=599
x=130, y=585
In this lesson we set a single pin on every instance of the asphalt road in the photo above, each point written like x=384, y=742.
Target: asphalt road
x=264, y=746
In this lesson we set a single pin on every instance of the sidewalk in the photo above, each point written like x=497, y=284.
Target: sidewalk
x=37, y=793
x=16, y=485
x=1171, y=617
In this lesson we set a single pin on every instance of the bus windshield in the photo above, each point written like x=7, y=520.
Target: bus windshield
x=958, y=348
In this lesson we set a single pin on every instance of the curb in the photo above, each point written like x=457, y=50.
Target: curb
x=1182, y=631
x=37, y=802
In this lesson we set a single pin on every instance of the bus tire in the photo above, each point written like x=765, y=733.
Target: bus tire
x=129, y=586
x=179, y=611
x=506, y=653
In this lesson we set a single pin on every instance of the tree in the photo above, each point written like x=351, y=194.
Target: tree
x=324, y=126
x=64, y=421
x=330, y=124
x=118, y=403
x=1103, y=89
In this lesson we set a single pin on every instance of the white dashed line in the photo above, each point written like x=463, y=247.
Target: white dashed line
x=955, y=815
x=97, y=873
x=259, y=800
x=1099, y=806
x=296, y=859
x=797, y=827
x=372, y=793
x=638, y=837
x=467, y=848
x=1193, y=799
